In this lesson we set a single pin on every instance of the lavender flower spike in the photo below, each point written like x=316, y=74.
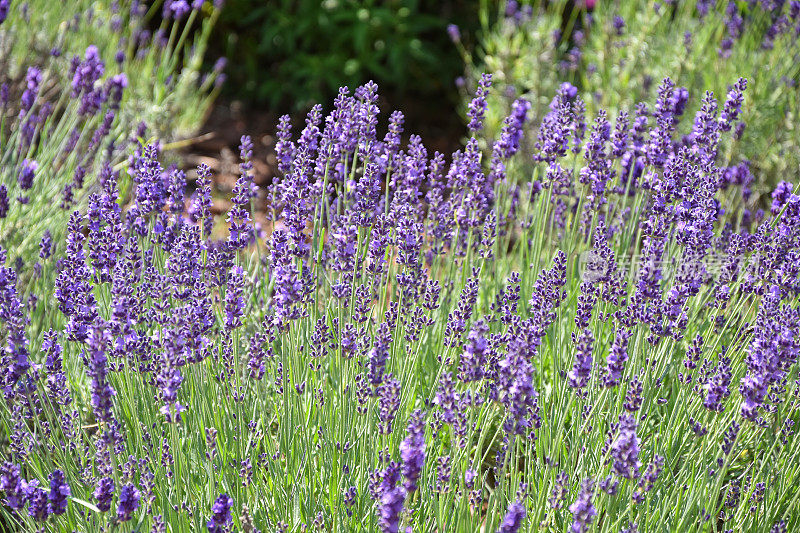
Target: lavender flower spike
x=583, y=512
x=513, y=519
x=221, y=514
x=477, y=108
x=412, y=451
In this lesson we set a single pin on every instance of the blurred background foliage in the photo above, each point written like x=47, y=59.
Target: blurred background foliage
x=291, y=54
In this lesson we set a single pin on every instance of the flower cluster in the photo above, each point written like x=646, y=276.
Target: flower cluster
x=72, y=111
x=413, y=340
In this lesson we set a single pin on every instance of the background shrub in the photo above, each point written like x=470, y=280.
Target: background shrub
x=291, y=54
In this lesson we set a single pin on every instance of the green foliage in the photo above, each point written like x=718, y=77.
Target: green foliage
x=298, y=52
x=279, y=410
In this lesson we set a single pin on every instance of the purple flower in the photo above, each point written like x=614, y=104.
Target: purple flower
x=478, y=105
x=513, y=519
x=446, y=398
x=517, y=393
x=176, y=8
x=104, y=493
x=412, y=451
x=569, y=90
x=102, y=392
x=379, y=354
x=388, y=401
x=84, y=75
x=27, y=173
x=615, y=362
x=649, y=478
x=234, y=302
x=202, y=202
x=585, y=305
x=619, y=139
x=661, y=136
x=390, y=497
x=717, y=386
x=679, y=99
x=114, y=89
x=33, y=79
x=12, y=484
x=730, y=437
x=15, y=359
x=4, y=202
x=581, y=371
x=555, y=128
x=284, y=148
x=733, y=105
x=128, y=502
x=220, y=514
x=5, y=5
x=46, y=245
x=583, y=512
x=512, y=7
x=473, y=360
x=633, y=396
x=619, y=24
x=625, y=449
x=59, y=493
x=37, y=501
x=559, y=492
x=454, y=33
x=508, y=143
x=780, y=196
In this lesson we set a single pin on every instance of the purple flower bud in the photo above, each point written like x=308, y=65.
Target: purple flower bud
x=454, y=33
x=388, y=401
x=412, y=451
x=104, y=493
x=583, y=512
x=512, y=521
x=12, y=484
x=733, y=105
x=59, y=492
x=649, y=478
x=717, y=386
x=619, y=24
x=33, y=79
x=37, y=501
x=581, y=371
x=176, y=9
x=569, y=90
x=4, y=202
x=478, y=105
x=128, y=502
x=220, y=514
x=27, y=173
x=625, y=449
x=390, y=499
x=115, y=87
x=780, y=196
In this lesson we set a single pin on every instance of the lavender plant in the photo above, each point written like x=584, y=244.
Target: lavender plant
x=81, y=81
x=419, y=342
x=615, y=53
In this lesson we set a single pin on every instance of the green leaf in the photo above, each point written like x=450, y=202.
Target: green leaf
x=86, y=504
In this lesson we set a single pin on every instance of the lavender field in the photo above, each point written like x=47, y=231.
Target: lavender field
x=585, y=319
